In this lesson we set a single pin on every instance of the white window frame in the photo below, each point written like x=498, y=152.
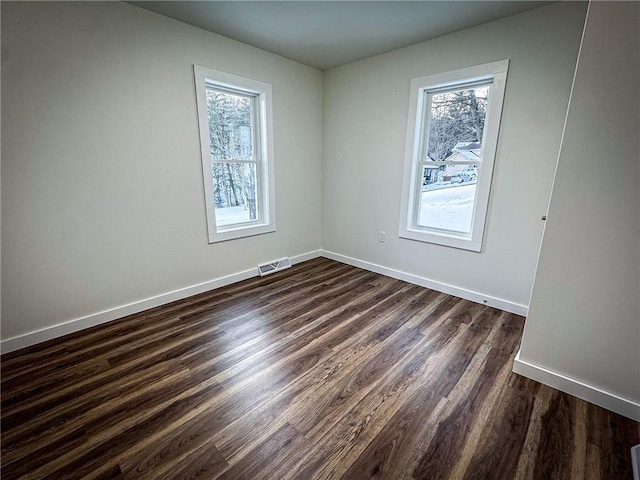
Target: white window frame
x=263, y=147
x=495, y=72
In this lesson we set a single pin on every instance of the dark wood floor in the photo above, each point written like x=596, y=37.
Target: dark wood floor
x=323, y=371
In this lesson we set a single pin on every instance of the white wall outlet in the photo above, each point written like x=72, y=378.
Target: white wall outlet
x=382, y=236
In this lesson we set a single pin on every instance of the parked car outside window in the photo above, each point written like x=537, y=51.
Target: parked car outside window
x=462, y=177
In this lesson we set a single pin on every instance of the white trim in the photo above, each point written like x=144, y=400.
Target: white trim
x=477, y=297
x=555, y=380
x=495, y=74
x=579, y=389
x=204, y=77
x=77, y=324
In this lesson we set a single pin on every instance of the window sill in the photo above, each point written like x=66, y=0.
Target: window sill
x=442, y=239
x=241, y=232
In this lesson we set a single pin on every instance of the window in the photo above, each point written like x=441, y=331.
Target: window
x=452, y=136
x=234, y=114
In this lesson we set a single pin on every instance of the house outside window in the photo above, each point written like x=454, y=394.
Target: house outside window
x=234, y=115
x=453, y=125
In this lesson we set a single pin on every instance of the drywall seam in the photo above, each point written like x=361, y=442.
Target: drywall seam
x=579, y=389
x=477, y=297
x=77, y=324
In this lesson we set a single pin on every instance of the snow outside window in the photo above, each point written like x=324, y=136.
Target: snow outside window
x=452, y=137
x=234, y=114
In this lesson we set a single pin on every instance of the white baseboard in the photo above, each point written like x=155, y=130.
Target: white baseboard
x=555, y=380
x=77, y=324
x=589, y=393
x=499, y=303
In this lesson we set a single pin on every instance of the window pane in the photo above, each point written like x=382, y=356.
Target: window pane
x=235, y=193
x=447, y=206
x=230, y=125
x=456, y=124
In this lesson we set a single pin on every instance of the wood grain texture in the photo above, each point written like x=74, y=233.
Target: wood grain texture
x=324, y=371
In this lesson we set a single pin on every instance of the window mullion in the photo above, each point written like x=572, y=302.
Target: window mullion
x=232, y=160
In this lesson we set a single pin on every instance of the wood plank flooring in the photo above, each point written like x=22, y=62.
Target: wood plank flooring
x=323, y=371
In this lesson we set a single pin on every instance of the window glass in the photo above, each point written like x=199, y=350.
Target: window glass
x=235, y=193
x=453, y=152
x=230, y=125
x=456, y=123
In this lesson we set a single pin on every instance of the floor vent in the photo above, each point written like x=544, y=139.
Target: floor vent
x=275, y=266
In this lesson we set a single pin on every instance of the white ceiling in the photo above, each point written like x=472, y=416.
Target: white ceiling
x=326, y=34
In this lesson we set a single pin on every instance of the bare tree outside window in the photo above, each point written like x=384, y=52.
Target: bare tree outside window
x=456, y=116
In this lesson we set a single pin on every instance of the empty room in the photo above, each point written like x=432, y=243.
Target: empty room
x=320, y=240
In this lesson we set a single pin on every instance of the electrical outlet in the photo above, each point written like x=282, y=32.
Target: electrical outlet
x=382, y=236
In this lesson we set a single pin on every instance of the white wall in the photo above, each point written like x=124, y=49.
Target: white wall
x=365, y=120
x=102, y=196
x=584, y=319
